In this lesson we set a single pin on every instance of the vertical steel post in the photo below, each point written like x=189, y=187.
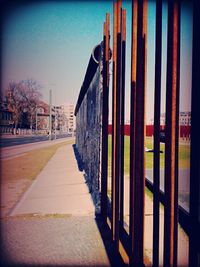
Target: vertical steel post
x=139, y=180
x=132, y=120
x=178, y=21
x=114, y=118
x=138, y=168
x=104, y=155
x=118, y=102
x=171, y=143
x=156, y=158
x=194, y=235
x=123, y=61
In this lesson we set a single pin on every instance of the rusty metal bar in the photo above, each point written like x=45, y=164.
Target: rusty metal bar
x=104, y=155
x=139, y=181
x=113, y=193
x=176, y=209
x=132, y=119
x=194, y=235
x=171, y=181
x=156, y=159
x=144, y=33
x=123, y=60
x=139, y=132
x=117, y=150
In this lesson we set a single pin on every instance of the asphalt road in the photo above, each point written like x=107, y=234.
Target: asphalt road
x=21, y=140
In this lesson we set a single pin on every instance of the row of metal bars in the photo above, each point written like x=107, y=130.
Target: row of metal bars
x=137, y=131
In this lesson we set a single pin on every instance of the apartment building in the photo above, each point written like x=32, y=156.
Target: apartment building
x=68, y=110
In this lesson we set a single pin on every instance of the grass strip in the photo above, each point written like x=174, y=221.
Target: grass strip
x=184, y=155
x=28, y=166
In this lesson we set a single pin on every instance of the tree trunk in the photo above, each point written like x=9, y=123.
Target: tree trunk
x=31, y=124
x=15, y=128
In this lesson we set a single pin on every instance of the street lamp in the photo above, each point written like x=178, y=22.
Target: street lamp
x=55, y=122
x=50, y=114
x=36, y=120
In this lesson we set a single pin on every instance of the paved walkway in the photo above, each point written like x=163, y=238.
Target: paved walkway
x=59, y=188
x=54, y=223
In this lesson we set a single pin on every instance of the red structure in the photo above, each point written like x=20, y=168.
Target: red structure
x=184, y=130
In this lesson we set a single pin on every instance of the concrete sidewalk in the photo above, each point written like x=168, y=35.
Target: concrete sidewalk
x=54, y=223
x=59, y=188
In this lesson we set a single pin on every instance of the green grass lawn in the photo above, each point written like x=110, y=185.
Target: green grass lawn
x=184, y=155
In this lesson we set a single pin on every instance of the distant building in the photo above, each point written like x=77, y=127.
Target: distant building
x=6, y=121
x=162, y=119
x=68, y=110
x=62, y=117
x=42, y=116
x=184, y=118
x=127, y=121
x=61, y=122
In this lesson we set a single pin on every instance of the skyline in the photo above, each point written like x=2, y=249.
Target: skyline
x=51, y=42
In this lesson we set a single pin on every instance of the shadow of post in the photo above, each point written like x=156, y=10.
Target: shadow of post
x=105, y=232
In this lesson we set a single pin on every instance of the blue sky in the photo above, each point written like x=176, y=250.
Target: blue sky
x=51, y=42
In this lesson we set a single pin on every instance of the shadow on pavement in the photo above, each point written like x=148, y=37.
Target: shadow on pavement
x=78, y=158
x=114, y=257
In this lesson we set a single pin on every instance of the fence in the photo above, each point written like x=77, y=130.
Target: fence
x=92, y=135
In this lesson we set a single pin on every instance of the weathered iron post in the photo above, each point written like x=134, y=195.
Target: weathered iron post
x=113, y=117
x=116, y=120
x=132, y=119
x=171, y=143
x=156, y=158
x=138, y=82
x=122, y=105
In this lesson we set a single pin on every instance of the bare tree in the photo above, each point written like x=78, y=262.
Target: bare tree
x=15, y=102
x=23, y=97
x=30, y=90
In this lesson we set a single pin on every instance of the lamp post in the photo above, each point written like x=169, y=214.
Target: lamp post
x=50, y=114
x=36, y=120
x=55, y=122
